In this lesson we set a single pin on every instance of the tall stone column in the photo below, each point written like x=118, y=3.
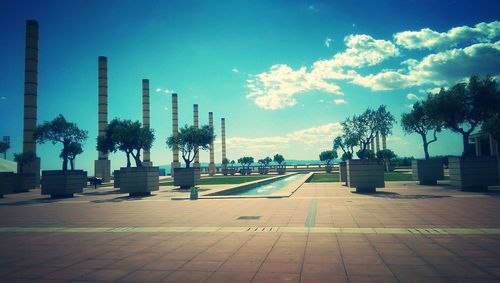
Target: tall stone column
x=102, y=166
x=211, y=166
x=30, y=98
x=384, y=144
x=196, y=125
x=175, y=131
x=377, y=142
x=145, y=119
x=223, y=137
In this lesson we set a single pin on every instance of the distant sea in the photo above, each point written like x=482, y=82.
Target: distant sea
x=288, y=162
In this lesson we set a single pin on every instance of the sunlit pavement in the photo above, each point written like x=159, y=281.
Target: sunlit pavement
x=323, y=233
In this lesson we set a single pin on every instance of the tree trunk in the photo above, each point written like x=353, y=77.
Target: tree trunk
x=128, y=158
x=465, y=140
x=72, y=163
x=137, y=158
x=65, y=164
x=426, y=146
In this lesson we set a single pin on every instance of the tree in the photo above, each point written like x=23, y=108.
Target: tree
x=232, y=164
x=328, y=156
x=225, y=161
x=190, y=140
x=265, y=161
x=71, y=152
x=465, y=106
x=60, y=131
x=417, y=121
x=127, y=136
x=278, y=158
x=386, y=155
x=492, y=126
x=4, y=146
x=246, y=160
x=23, y=159
x=346, y=144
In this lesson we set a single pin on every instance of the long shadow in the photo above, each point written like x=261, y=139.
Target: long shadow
x=120, y=199
x=393, y=195
x=42, y=200
x=102, y=193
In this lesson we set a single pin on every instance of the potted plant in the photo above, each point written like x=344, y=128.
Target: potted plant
x=245, y=162
x=386, y=155
x=224, y=168
x=231, y=170
x=62, y=183
x=347, y=145
x=463, y=108
x=426, y=171
x=327, y=156
x=281, y=168
x=24, y=181
x=367, y=173
x=189, y=141
x=131, y=137
x=264, y=163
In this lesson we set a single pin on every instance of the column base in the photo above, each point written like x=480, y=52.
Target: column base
x=102, y=170
x=211, y=169
x=34, y=168
x=147, y=163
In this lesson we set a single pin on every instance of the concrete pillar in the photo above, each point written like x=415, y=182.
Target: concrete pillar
x=196, y=125
x=30, y=97
x=223, y=137
x=102, y=166
x=175, y=131
x=377, y=142
x=211, y=166
x=384, y=144
x=145, y=118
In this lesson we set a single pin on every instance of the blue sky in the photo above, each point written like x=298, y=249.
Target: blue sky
x=282, y=73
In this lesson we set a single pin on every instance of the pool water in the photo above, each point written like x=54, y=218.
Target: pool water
x=262, y=189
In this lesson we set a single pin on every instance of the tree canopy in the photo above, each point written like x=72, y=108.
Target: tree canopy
x=465, y=106
x=278, y=158
x=265, y=161
x=127, y=136
x=386, y=155
x=328, y=156
x=60, y=131
x=418, y=121
x=246, y=160
x=346, y=144
x=190, y=140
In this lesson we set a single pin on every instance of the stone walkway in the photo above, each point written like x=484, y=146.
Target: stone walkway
x=323, y=233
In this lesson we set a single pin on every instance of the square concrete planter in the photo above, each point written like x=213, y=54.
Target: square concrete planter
x=427, y=172
x=245, y=171
x=328, y=169
x=59, y=184
x=473, y=173
x=116, y=179
x=281, y=170
x=186, y=177
x=263, y=171
x=231, y=171
x=23, y=182
x=343, y=172
x=6, y=183
x=365, y=175
x=139, y=181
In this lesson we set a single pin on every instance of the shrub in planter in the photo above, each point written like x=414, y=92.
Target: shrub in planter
x=224, y=168
x=327, y=156
x=386, y=155
x=264, y=163
x=189, y=140
x=347, y=142
x=231, y=171
x=281, y=168
x=245, y=162
x=463, y=108
x=131, y=137
x=23, y=181
x=426, y=171
x=62, y=183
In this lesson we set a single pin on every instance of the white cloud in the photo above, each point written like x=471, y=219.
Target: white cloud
x=313, y=138
x=235, y=70
x=412, y=96
x=340, y=101
x=385, y=80
x=158, y=90
x=164, y=90
x=276, y=89
x=328, y=41
x=3, y=98
x=430, y=39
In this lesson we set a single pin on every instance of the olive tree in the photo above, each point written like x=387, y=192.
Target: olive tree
x=278, y=158
x=418, y=121
x=386, y=155
x=464, y=107
x=328, y=156
x=265, y=161
x=346, y=144
x=190, y=140
x=60, y=131
x=127, y=136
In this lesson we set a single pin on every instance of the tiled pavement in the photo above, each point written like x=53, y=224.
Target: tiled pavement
x=323, y=233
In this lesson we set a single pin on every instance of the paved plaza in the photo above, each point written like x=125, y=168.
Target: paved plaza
x=324, y=232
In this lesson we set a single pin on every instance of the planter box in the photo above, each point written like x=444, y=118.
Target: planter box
x=58, y=184
x=473, y=173
x=328, y=169
x=427, y=172
x=231, y=171
x=343, y=172
x=365, y=175
x=281, y=170
x=186, y=177
x=23, y=182
x=245, y=171
x=6, y=183
x=139, y=181
x=263, y=171
x=116, y=178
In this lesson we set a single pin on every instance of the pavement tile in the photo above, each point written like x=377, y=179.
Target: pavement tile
x=187, y=276
x=145, y=276
x=199, y=265
x=264, y=277
x=231, y=276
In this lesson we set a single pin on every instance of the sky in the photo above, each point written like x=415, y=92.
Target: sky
x=283, y=74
